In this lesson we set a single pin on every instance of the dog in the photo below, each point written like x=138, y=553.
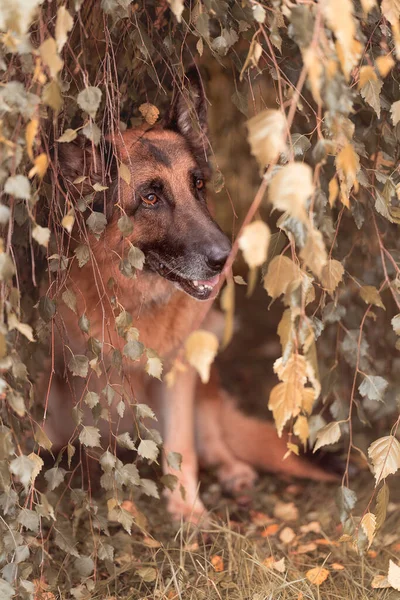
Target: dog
x=160, y=192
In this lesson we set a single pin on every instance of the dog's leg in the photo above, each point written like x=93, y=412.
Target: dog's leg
x=234, y=474
x=178, y=407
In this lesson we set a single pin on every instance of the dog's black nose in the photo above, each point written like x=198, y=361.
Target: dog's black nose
x=217, y=254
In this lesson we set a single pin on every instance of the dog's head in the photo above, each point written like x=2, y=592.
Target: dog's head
x=166, y=196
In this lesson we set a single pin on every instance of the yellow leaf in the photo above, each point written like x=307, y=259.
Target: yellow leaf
x=317, y=575
x=380, y=582
x=285, y=328
x=368, y=523
x=266, y=134
x=313, y=63
x=201, y=348
x=333, y=191
x=283, y=276
x=30, y=134
x=394, y=575
x=149, y=112
x=254, y=243
x=339, y=16
x=348, y=165
x=314, y=252
x=290, y=189
x=68, y=222
x=228, y=306
x=291, y=449
x=368, y=5
x=331, y=275
x=384, y=64
x=125, y=173
x=385, y=457
x=370, y=295
x=37, y=465
x=284, y=402
x=40, y=165
x=48, y=54
x=391, y=10
x=64, y=25
x=329, y=434
x=367, y=73
x=52, y=96
x=23, y=328
x=301, y=430
x=294, y=370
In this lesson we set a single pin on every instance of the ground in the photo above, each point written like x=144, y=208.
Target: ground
x=259, y=552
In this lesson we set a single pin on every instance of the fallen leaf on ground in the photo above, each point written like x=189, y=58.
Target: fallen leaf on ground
x=287, y=511
x=337, y=567
x=317, y=575
x=270, y=530
x=305, y=548
x=218, y=563
x=276, y=565
x=312, y=527
x=287, y=535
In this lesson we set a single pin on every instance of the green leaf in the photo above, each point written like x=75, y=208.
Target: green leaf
x=97, y=222
x=174, y=460
x=89, y=100
x=79, y=365
x=148, y=449
x=84, y=323
x=136, y=257
x=373, y=387
x=70, y=299
x=54, y=478
x=133, y=350
x=47, y=308
x=125, y=225
x=90, y=436
x=82, y=253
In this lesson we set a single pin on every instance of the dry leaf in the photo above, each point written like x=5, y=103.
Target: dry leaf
x=317, y=575
x=124, y=173
x=286, y=511
x=385, y=457
x=314, y=252
x=380, y=582
x=306, y=548
x=347, y=165
x=384, y=64
x=254, y=243
x=201, y=348
x=30, y=134
x=64, y=25
x=287, y=535
x=270, y=530
x=290, y=189
x=368, y=523
x=339, y=16
x=218, y=563
x=266, y=135
x=371, y=295
x=394, y=575
x=331, y=275
x=48, y=54
x=337, y=566
x=40, y=165
x=329, y=434
x=149, y=112
x=283, y=276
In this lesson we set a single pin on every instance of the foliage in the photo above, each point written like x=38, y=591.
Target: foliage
x=318, y=84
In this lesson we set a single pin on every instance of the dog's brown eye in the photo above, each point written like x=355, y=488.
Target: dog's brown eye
x=199, y=183
x=150, y=199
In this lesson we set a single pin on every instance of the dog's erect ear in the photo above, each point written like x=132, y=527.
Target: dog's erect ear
x=188, y=113
x=83, y=165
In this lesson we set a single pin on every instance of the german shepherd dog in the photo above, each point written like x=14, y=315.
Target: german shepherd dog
x=185, y=251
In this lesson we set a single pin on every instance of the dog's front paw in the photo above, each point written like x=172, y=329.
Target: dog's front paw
x=188, y=508
x=237, y=477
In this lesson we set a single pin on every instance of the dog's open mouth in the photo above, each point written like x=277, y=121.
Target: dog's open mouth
x=201, y=289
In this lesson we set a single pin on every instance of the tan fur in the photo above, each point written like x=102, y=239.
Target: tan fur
x=164, y=316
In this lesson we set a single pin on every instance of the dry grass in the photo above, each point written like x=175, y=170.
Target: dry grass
x=163, y=561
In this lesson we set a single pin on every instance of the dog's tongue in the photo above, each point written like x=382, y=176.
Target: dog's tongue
x=211, y=282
